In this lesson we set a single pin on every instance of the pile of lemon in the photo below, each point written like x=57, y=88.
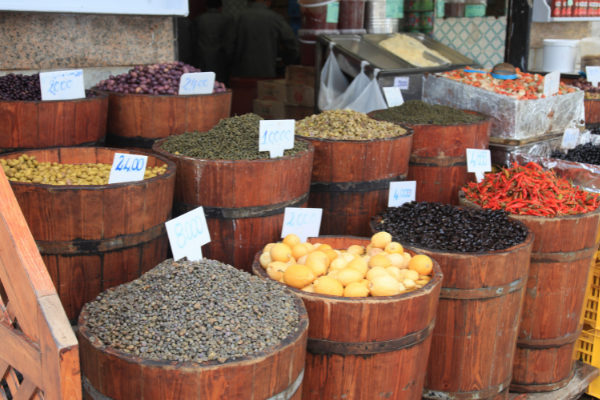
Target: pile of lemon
x=380, y=269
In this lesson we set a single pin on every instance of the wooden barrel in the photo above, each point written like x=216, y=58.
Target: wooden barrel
x=351, y=180
x=41, y=124
x=592, y=111
x=367, y=348
x=478, y=315
x=92, y=238
x=438, y=161
x=137, y=120
x=244, y=201
x=563, y=251
x=273, y=374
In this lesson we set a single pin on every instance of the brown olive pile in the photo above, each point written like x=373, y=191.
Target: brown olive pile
x=28, y=169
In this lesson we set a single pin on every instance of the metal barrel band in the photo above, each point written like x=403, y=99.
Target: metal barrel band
x=548, y=387
x=97, y=143
x=122, y=141
x=321, y=346
x=483, y=293
x=564, y=257
x=241, y=212
x=355, y=186
x=480, y=395
x=438, y=161
x=549, y=343
x=100, y=246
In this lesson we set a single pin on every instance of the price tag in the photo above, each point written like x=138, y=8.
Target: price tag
x=480, y=176
x=440, y=8
x=276, y=136
x=127, y=168
x=402, y=192
x=62, y=85
x=551, y=83
x=570, y=138
x=401, y=82
x=333, y=12
x=187, y=234
x=394, y=9
x=593, y=75
x=393, y=96
x=479, y=160
x=197, y=83
x=303, y=222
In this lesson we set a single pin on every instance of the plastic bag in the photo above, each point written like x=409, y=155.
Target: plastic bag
x=371, y=98
x=333, y=82
x=358, y=85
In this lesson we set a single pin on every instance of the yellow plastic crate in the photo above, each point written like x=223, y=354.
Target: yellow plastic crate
x=592, y=298
x=588, y=351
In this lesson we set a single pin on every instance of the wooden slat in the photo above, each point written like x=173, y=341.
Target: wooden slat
x=21, y=353
x=26, y=391
x=12, y=381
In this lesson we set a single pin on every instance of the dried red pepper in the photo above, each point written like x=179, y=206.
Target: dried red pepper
x=529, y=190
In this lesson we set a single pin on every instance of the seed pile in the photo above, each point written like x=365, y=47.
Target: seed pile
x=445, y=227
x=28, y=169
x=233, y=138
x=193, y=311
x=25, y=87
x=584, y=153
x=346, y=125
x=419, y=112
x=591, y=92
x=154, y=79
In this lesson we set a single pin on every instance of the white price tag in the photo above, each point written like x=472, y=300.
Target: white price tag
x=393, y=96
x=127, y=168
x=187, y=234
x=303, y=222
x=593, y=75
x=62, y=85
x=402, y=192
x=551, y=83
x=479, y=160
x=401, y=82
x=570, y=138
x=480, y=176
x=197, y=83
x=276, y=136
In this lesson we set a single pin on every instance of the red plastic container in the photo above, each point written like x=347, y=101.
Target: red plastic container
x=556, y=8
x=315, y=18
x=308, y=43
x=352, y=14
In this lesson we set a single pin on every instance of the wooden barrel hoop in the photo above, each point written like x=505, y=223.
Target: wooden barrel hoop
x=322, y=346
x=483, y=293
x=549, y=387
x=480, y=394
x=242, y=212
x=437, y=162
x=355, y=186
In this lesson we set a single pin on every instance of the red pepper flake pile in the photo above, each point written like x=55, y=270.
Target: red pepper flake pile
x=530, y=190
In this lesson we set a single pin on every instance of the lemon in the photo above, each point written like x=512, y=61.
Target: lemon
x=380, y=261
x=299, y=250
x=318, y=266
x=394, y=248
x=316, y=246
x=396, y=259
x=298, y=276
x=332, y=255
x=365, y=283
x=310, y=288
x=424, y=278
x=265, y=260
x=409, y=284
x=309, y=246
x=360, y=265
x=385, y=285
x=348, y=257
x=381, y=239
x=356, y=249
x=407, y=258
x=369, y=248
x=412, y=275
x=291, y=240
x=292, y=261
x=302, y=260
x=318, y=255
x=349, y=275
x=375, y=272
x=396, y=273
x=281, y=252
x=268, y=247
x=374, y=251
x=338, y=264
x=328, y=285
x=324, y=247
x=356, y=289
x=333, y=274
x=276, y=270
x=421, y=264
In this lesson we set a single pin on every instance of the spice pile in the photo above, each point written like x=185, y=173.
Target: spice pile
x=413, y=51
x=528, y=190
x=157, y=79
x=584, y=153
x=28, y=169
x=234, y=138
x=25, y=87
x=445, y=227
x=383, y=268
x=193, y=311
x=346, y=125
x=525, y=87
x=591, y=92
x=418, y=112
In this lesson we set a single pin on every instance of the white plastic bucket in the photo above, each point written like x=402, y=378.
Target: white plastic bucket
x=560, y=55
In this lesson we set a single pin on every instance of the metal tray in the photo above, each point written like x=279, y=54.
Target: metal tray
x=456, y=59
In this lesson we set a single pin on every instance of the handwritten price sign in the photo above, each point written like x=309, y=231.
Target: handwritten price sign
x=551, y=83
x=570, y=138
x=276, y=136
x=187, y=234
x=593, y=75
x=402, y=192
x=62, y=85
x=197, y=83
x=393, y=96
x=304, y=222
x=127, y=168
x=479, y=160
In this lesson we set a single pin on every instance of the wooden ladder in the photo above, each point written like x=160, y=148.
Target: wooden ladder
x=39, y=354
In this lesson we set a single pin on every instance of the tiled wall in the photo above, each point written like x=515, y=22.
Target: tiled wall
x=481, y=39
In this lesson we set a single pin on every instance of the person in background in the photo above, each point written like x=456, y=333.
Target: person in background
x=210, y=31
x=184, y=39
x=257, y=35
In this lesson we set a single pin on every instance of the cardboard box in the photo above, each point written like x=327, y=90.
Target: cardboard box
x=278, y=110
x=300, y=95
x=300, y=75
x=275, y=90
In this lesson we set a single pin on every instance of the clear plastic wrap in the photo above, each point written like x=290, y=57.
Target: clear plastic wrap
x=512, y=119
x=587, y=176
